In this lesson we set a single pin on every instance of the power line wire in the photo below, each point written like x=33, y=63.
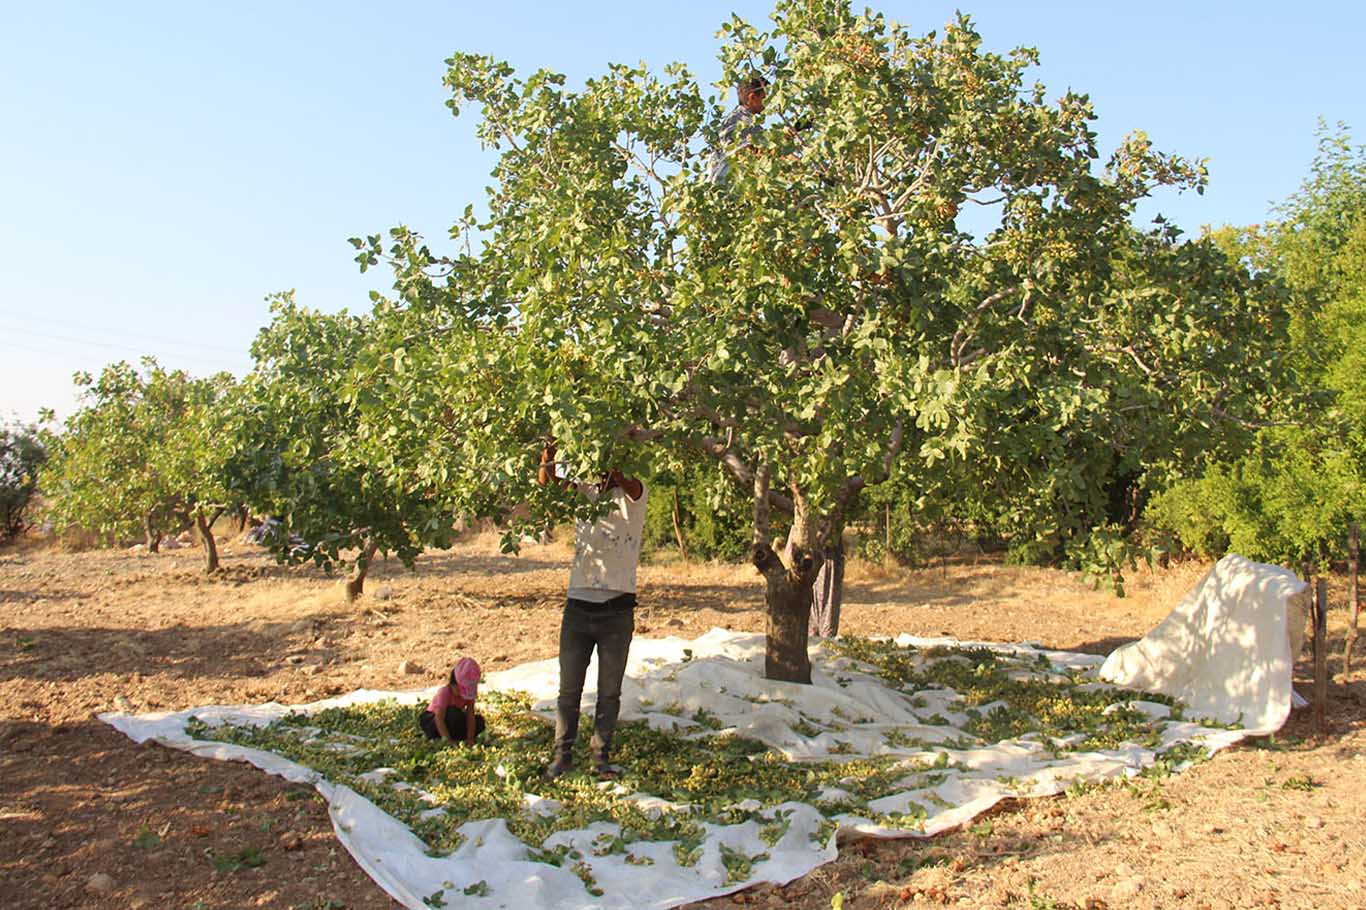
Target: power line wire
x=19, y=347
x=148, y=338
x=116, y=345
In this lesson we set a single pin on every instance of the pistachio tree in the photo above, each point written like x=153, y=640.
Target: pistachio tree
x=194, y=458
x=142, y=452
x=296, y=450
x=817, y=315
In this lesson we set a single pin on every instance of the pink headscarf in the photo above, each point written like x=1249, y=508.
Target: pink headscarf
x=466, y=677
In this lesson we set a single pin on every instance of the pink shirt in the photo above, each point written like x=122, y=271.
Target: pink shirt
x=447, y=697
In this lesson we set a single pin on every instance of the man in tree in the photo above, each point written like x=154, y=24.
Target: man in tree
x=739, y=124
x=599, y=612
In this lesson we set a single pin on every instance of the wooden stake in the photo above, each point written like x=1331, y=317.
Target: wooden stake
x=1353, y=594
x=678, y=529
x=887, y=529
x=1320, y=652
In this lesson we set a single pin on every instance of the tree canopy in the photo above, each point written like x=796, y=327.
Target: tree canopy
x=299, y=451
x=823, y=312
x=23, y=452
x=916, y=272
x=141, y=454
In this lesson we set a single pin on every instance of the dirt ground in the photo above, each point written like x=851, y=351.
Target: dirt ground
x=88, y=819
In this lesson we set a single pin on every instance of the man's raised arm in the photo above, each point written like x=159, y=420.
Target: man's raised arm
x=545, y=474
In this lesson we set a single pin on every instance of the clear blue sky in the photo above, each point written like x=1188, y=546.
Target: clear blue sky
x=165, y=166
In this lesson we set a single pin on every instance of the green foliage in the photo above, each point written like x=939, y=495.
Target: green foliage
x=1103, y=555
x=739, y=865
x=1019, y=706
x=1290, y=494
x=1300, y=782
x=141, y=454
x=819, y=313
x=146, y=839
x=1196, y=513
x=246, y=858
x=1291, y=499
x=713, y=516
x=299, y=448
x=917, y=515
x=1004, y=696
x=819, y=317
x=22, y=456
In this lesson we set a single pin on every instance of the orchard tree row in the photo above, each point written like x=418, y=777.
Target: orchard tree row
x=153, y=449
x=820, y=328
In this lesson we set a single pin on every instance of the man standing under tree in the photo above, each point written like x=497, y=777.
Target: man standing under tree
x=599, y=612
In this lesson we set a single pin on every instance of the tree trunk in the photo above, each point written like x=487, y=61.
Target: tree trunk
x=1353, y=594
x=787, y=597
x=886, y=532
x=149, y=528
x=787, y=592
x=242, y=516
x=205, y=526
x=355, y=585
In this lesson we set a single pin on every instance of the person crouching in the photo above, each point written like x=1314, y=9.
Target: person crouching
x=450, y=715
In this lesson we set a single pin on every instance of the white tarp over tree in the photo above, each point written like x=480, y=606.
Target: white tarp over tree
x=1227, y=650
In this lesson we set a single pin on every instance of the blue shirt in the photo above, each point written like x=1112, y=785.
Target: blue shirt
x=739, y=125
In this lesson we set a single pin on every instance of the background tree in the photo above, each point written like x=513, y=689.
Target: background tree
x=194, y=458
x=299, y=451
x=699, y=503
x=142, y=453
x=822, y=313
x=1290, y=494
x=22, y=455
x=107, y=472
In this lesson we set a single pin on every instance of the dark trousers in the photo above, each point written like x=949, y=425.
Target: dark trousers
x=827, y=595
x=609, y=628
x=456, y=720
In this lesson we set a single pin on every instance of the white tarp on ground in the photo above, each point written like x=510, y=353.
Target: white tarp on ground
x=847, y=713
x=1227, y=651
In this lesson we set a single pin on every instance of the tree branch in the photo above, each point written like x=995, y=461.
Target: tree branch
x=899, y=203
x=761, y=506
x=1128, y=349
x=960, y=337
x=739, y=470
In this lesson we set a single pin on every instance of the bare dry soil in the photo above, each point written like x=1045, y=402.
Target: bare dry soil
x=88, y=819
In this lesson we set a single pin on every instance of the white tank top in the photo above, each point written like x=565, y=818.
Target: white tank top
x=607, y=551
